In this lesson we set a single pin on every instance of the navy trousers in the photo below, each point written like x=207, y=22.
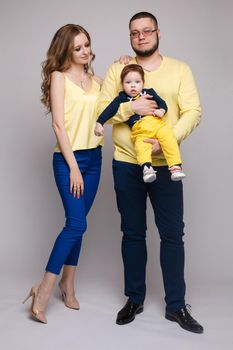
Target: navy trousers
x=67, y=246
x=166, y=197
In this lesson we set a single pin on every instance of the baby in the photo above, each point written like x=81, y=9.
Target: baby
x=149, y=126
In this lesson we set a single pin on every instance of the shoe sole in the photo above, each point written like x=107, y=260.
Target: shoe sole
x=173, y=319
x=139, y=311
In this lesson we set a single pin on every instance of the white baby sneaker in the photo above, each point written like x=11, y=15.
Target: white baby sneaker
x=176, y=173
x=149, y=174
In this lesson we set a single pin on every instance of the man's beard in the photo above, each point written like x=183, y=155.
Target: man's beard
x=149, y=52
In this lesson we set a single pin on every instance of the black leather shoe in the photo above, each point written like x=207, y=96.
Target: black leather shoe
x=185, y=320
x=128, y=313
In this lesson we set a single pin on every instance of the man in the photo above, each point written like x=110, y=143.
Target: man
x=173, y=81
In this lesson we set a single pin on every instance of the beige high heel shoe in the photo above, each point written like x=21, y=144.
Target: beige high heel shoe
x=36, y=314
x=72, y=304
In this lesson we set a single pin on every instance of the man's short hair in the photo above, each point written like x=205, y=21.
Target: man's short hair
x=144, y=15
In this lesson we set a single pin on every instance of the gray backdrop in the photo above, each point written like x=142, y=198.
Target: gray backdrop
x=196, y=31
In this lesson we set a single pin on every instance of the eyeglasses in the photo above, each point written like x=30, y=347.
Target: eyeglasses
x=145, y=32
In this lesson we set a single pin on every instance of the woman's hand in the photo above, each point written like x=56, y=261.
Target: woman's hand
x=124, y=59
x=156, y=148
x=99, y=130
x=144, y=105
x=76, y=182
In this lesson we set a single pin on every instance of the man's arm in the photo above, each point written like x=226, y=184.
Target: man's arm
x=110, y=89
x=189, y=104
x=160, y=102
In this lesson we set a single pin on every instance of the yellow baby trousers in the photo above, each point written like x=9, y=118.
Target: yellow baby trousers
x=154, y=127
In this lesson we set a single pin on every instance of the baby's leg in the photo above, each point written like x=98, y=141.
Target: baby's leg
x=143, y=153
x=171, y=151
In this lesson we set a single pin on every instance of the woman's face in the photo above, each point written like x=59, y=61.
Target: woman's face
x=82, y=50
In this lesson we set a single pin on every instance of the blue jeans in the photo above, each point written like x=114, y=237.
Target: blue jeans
x=166, y=197
x=67, y=246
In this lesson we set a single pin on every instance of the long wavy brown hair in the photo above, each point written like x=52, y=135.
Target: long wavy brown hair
x=59, y=57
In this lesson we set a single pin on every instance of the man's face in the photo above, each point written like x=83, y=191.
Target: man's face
x=144, y=37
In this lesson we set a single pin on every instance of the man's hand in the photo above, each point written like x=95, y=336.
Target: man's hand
x=156, y=148
x=144, y=105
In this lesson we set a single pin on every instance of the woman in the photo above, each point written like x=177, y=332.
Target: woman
x=70, y=91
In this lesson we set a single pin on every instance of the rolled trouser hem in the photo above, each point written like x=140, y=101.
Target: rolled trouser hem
x=175, y=308
x=136, y=300
x=54, y=271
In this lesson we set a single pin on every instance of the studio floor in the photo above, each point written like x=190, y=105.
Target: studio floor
x=93, y=326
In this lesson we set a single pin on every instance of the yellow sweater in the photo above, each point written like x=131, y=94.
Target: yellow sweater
x=174, y=82
x=80, y=109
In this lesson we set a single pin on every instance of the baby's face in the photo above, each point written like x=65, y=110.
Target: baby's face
x=132, y=84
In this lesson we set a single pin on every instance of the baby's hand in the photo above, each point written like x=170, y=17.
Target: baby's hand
x=99, y=130
x=159, y=113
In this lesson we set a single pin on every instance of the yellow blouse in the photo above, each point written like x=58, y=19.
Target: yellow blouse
x=80, y=111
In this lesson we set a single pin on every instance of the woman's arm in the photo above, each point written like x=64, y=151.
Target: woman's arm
x=124, y=59
x=57, y=109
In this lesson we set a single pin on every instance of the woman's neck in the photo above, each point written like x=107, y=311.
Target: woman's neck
x=79, y=76
x=77, y=70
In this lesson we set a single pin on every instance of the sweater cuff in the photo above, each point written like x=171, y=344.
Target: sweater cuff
x=125, y=110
